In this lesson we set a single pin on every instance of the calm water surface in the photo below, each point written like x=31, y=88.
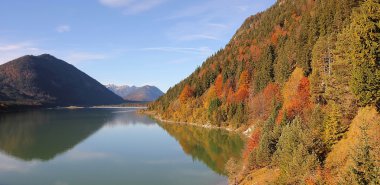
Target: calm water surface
x=109, y=146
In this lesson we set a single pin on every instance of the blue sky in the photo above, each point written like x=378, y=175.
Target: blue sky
x=132, y=42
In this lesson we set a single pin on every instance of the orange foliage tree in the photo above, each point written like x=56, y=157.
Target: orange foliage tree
x=230, y=96
x=255, y=51
x=296, y=96
x=301, y=100
x=186, y=93
x=243, y=91
x=262, y=104
x=252, y=143
x=219, y=86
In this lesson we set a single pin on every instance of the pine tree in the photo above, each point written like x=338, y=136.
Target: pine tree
x=293, y=155
x=364, y=170
x=362, y=43
x=322, y=58
x=268, y=142
x=265, y=73
x=333, y=130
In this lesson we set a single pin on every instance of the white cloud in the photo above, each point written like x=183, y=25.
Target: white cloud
x=133, y=6
x=78, y=57
x=14, y=46
x=210, y=20
x=116, y=3
x=197, y=37
x=63, y=28
x=10, y=164
x=10, y=51
x=197, y=30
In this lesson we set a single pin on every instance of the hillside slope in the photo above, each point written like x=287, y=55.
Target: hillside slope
x=293, y=78
x=47, y=81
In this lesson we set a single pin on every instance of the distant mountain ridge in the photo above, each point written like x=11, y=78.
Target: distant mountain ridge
x=47, y=81
x=133, y=93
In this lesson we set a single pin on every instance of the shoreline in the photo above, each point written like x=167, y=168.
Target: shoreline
x=154, y=115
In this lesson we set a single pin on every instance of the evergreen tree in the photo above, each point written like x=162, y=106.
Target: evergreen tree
x=268, y=142
x=293, y=156
x=322, y=58
x=333, y=130
x=364, y=170
x=362, y=43
x=265, y=73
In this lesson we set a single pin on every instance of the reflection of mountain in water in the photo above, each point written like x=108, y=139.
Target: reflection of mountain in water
x=211, y=146
x=129, y=117
x=43, y=134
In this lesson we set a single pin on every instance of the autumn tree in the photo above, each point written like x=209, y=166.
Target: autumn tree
x=362, y=42
x=296, y=95
x=243, y=90
x=262, y=104
x=186, y=93
x=253, y=142
x=219, y=85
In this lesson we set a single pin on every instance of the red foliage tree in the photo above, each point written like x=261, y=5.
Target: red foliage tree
x=186, y=93
x=219, y=85
x=262, y=104
x=243, y=92
x=252, y=143
x=301, y=100
x=255, y=51
x=303, y=92
x=230, y=96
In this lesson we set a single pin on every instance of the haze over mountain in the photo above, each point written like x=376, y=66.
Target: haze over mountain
x=133, y=93
x=47, y=81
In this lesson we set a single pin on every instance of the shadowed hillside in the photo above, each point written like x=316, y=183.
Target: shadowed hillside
x=47, y=81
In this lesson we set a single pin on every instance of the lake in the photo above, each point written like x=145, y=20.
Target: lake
x=110, y=146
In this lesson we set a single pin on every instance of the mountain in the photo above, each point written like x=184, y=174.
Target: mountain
x=132, y=93
x=301, y=79
x=47, y=81
x=122, y=90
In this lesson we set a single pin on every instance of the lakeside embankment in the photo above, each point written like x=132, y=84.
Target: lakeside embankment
x=156, y=116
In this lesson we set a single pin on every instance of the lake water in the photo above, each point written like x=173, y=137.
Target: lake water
x=110, y=146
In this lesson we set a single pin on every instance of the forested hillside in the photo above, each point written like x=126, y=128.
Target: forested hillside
x=303, y=78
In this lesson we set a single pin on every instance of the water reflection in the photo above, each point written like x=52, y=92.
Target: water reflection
x=44, y=134
x=130, y=117
x=214, y=147
x=109, y=146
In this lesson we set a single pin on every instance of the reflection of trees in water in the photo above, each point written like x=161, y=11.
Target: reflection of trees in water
x=43, y=134
x=211, y=146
